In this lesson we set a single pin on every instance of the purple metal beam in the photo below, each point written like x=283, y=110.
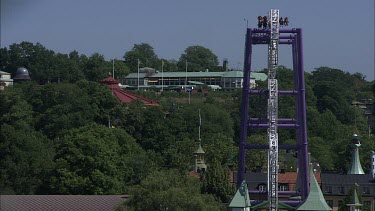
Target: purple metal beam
x=281, y=92
x=265, y=146
x=302, y=112
x=281, y=31
x=297, y=107
x=293, y=203
x=290, y=126
x=300, y=105
x=244, y=108
x=260, y=42
x=267, y=37
x=278, y=120
x=279, y=192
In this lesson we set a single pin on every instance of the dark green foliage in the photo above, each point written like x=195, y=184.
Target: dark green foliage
x=216, y=182
x=46, y=66
x=143, y=53
x=348, y=200
x=171, y=190
x=198, y=59
x=25, y=154
x=26, y=160
x=95, y=160
x=55, y=138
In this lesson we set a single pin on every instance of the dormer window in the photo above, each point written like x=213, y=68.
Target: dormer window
x=328, y=189
x=262, y=187
x=283, y=187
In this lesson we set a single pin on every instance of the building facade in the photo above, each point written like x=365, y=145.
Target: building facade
x=229, y=80
x=336, y=187
x=5, y=80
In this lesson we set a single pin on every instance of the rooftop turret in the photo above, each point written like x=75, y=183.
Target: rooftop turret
x=355, y=164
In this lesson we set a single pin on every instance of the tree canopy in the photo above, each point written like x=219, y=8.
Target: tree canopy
x=144, y=53
x=64, y=133
x=198, y=58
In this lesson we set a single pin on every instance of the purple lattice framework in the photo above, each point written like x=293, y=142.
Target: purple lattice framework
x=290, y=37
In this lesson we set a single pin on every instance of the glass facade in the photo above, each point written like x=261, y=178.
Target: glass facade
x=225, y=82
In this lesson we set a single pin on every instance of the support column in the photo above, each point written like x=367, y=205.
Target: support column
x=302, y=113
x=297, y=109
x=244, y=108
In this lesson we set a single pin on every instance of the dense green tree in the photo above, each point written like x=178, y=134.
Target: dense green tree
x=169, y=190
x=348, y=200
x=221, y=148
x=198, y=58
x=25, y=154
x=60, y=107
x=65, y=69
x=94, y=69
x=144, y=53
x=35, y=57
x=26, y=161
x=169, y=65
x=93, y=160
x=323, y=152
x=258, y=158
x=216, y=182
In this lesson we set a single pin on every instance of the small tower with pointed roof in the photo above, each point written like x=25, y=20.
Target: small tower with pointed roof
x=315, y=199
x=200, y=165
x=354, y=202
x=355, y=164
x=241, y=200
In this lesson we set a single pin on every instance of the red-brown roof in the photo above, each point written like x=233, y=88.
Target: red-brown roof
x=291, y=178
x=194, y=174
x=123, y=96
x=60, y=202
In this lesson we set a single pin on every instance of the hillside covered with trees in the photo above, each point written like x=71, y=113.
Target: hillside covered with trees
x=55, y=139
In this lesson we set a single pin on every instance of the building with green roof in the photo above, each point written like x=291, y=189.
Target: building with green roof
x=228, y=80
x=241, y=200
x=354, y=202
x=355, y=163
x=315, y=199
x=5, y=80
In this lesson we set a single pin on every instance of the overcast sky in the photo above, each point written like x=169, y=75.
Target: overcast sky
x=337, y=33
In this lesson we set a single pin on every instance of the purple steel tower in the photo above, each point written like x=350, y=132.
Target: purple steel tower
x=290, y=37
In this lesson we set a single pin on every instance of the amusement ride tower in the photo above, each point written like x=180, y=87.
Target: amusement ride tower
x=273, y=36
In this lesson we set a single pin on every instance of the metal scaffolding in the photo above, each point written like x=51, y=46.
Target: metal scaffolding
x=273, y=153
x=274, y=36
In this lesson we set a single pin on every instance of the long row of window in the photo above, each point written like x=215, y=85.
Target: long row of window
x=282, y=187
x=223, y=82
x=341, y=189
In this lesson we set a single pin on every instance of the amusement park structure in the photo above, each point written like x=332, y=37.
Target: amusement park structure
x=273, y=36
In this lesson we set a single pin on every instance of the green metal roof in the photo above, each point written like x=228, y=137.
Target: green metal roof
x=355, y=200
x=4, y=73
x=228, y=74
x=233, y=74
x=6, y=80
x=199, y=150
x=315, y=200
x=241, y=199
x=195, y=82
x=259, y=76
x=355, y=164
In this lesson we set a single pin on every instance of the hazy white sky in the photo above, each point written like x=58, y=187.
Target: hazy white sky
x=337, y=33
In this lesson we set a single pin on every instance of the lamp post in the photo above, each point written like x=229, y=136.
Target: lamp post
x=186, y=72
x=138, y=76
x=162, y=76
x=113, y=68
